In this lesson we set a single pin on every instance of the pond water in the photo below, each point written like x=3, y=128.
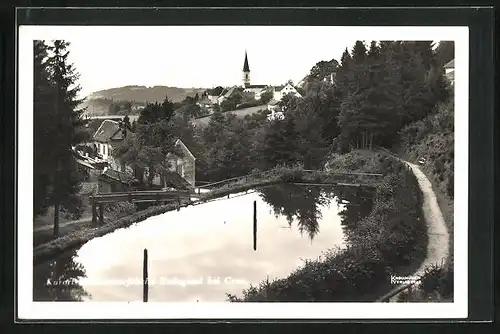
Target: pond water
x=202, y=252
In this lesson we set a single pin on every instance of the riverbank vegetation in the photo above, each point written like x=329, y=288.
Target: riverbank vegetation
x=389, y=240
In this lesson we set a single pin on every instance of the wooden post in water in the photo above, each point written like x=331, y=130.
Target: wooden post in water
x=101, y=214
x=178, y=203
x=254, y=225
x=145, y=283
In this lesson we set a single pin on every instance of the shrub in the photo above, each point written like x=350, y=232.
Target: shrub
x=120, y=209
x=438, y=279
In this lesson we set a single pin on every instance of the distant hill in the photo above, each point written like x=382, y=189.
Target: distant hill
x=98, y=103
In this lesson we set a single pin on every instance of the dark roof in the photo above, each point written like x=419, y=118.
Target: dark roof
x=230, y=92
x=246, y=68
x=176, y=181
x=84, y=163
x=256, y=86
x=109, y=131
x=450, y=64
x=191, y=144
x=117, y=176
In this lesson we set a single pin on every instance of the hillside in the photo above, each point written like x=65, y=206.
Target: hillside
x=240, y=113
x=98, y=103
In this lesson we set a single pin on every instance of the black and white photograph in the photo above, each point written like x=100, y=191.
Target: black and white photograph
x=203, y=171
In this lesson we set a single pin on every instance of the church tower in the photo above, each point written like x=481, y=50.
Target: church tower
x=246, y=72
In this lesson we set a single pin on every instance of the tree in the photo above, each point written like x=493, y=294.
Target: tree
x=215, y=91
x=323, y=70
x=70, y=131
x=44, y=128
x=359, y=52
x=228, y=104
x=154, y=140
x=266, y=97
x=345, y=59
x=373, y=52
x=445, y=52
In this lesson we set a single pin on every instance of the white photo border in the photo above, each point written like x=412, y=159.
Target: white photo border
x=30, y=310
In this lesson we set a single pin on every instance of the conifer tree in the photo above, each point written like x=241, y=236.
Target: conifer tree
x=444, y=53
x=359, y=52
x=44, y=128
x=69, y=131
x=373, y=52
x=344, y=60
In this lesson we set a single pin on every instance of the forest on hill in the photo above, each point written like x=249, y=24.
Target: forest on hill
x=103, y=101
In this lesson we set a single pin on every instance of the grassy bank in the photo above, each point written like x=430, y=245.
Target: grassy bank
x=391, y=240
x=433, y=140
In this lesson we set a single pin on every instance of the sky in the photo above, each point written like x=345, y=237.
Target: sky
x=108, y=57
x=205, y=56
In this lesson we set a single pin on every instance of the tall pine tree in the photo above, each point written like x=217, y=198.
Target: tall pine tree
x=44, y=119
x=69, y=125
x=359, y=52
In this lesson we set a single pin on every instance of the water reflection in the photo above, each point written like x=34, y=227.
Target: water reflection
x=356, y=205
x=303, y=204
x=300, y=203
x=210, y=244
x=58, y=280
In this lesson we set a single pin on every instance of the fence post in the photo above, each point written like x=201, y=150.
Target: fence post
x=145, y=283
x=94, y=215
x=101, y=214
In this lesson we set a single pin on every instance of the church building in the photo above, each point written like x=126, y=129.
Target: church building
x=255, y=89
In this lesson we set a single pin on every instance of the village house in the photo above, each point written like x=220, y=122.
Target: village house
x=117, y=176
x=213, y=98
x=280, y=92
x=184, y=166
x=109, y=134
x=227, y=93
x=111, y=180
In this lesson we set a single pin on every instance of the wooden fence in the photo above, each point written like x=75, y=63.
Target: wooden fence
x=266, y=174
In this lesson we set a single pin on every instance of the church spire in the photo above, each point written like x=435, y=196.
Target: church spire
x=246, y=68
x=246, y=72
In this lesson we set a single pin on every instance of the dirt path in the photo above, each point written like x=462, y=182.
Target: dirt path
x=437, y=232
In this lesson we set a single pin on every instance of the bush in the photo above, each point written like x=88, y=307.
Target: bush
x=438, y=279
x=120, y=209
x=433, y=138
